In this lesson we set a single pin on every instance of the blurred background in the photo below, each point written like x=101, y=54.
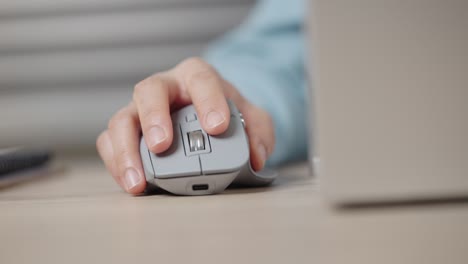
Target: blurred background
x=66, y=66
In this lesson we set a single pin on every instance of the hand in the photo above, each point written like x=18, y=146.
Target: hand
x=195, y=82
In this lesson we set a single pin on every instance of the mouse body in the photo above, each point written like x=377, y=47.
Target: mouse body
x=197, y=163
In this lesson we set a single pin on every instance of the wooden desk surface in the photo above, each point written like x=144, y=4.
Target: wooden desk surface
x=79, y=215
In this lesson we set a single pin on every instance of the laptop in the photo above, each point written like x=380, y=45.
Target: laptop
x=390, y=97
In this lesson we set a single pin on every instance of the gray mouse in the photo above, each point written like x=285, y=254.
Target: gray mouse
x=197, y=163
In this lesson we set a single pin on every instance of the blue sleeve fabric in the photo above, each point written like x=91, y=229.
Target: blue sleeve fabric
x=264, y=60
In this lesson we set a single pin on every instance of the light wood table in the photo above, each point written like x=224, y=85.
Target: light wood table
x=79, y=215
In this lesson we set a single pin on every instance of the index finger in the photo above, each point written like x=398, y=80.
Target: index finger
x=206, y=90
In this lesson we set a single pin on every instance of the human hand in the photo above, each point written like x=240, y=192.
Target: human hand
x=193, y=81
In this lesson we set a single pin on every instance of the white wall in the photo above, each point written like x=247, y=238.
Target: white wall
x=66, y=66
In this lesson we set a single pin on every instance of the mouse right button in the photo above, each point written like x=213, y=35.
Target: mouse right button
x=229, y=151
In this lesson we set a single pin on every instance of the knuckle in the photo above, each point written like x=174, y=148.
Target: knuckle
x=119, y=119
x=124, y=154
x=100, y=139
x=152, y=82
x=205, y=102
x=201, y=75
x=197, y=71
x=195, y=62
x=140, y=86
x=204, y=84
x=152, y=115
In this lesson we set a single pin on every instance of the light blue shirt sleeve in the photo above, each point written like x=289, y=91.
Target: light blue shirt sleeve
x=264, y=60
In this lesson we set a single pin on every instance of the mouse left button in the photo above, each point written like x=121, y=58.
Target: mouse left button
x=173, y=162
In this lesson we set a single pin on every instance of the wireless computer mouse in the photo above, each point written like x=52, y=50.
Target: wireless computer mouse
x=197, y=163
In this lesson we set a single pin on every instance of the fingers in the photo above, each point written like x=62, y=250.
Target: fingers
x=192, y=81
x=124, y=133
x=152, y=98
x=105, y=150
x=261, y=135
x=208, y=92
x=205, y=88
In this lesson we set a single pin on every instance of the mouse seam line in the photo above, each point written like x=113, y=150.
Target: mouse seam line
x=152, y=165
x=182, y=138
x=201, y=168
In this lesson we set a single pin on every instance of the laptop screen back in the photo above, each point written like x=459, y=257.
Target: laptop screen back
x=390, y=83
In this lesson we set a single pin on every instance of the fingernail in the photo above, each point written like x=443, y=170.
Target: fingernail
x=132, y=178
x=157, y=134
x=262, y=153
x=214, y=119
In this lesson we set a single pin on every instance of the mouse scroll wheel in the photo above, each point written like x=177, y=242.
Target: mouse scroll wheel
x=196, y=140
